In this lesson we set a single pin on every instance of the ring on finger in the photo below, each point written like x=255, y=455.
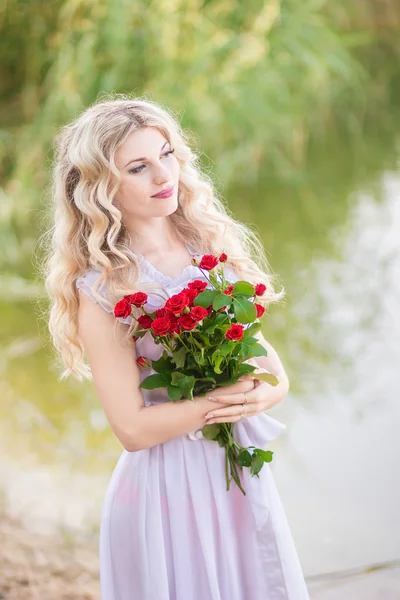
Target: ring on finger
x=242, y=413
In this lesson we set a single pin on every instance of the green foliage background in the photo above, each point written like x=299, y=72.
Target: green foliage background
x=294, y=106
x=259, y=83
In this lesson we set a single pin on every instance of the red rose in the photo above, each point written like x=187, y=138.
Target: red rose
x=174, y=328
x=209, y=309
x=142, y=361
x=208, y=262
x=260, y=310
x=177, y=303
x=174, y=325
x=235, y=332
x=145, y=321
x=260, y=289
x=223, y=257
x=161, y=325
x=191, y=295
x=197, y=285
x=137, y=299
x=198, y=313
x=228, y=290
x=187, y=322
x=122, y=308
x=161, y=312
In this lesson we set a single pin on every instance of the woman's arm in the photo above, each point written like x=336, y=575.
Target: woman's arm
x=272, y=363
x=161, y=422
x=116, y=378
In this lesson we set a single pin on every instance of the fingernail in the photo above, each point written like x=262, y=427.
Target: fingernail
x=209, y=416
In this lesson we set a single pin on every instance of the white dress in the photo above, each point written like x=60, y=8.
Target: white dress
x=170, y=530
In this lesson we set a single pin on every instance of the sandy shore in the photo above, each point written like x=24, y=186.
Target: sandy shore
x=45, y=567
x=59, y=567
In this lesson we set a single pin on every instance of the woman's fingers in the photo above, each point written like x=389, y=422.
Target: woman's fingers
x=239, y=387
x=229, y=414
x=234, y=401
x=261, y=397
x=237, y=398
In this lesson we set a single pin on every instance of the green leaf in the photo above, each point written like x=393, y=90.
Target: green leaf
x=174, y=393
x=221, y=441
x=244, y=458
x=162, y=364
x=206, y=379
x=245, y=311
x=249, y=331
x=257, y=463
x=226, y=382
x=257, y=349
x=154, y=381
x=196, y=342
x=237, y=350
x=140, y=332
x=199, y=357
x=249, y=340
x=243, y=352
x=211, y=431
x=243, y=288
x=205, y=298
x=179, y=357
x=216, y=322
x=245, y=368
x=217, y=364
x=205, y=339
x=220, y=301
x=268, y=378
x=266, y=455
x=186, y=384
x=175, y=377
x=226, y=348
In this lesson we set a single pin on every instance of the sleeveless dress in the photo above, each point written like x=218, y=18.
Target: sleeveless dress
x=169, y=528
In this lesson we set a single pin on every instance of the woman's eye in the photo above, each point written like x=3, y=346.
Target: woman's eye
x=139, y=169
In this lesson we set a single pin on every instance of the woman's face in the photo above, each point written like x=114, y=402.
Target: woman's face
x=157, y=170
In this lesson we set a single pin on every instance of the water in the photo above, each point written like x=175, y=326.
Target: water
x=339, y=338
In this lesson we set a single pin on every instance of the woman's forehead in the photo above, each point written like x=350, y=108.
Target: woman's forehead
x=144, y=143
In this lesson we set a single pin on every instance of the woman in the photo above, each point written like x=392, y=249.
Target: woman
x=131, y=209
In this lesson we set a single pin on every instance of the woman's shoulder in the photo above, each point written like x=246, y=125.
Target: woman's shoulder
x=85, y=283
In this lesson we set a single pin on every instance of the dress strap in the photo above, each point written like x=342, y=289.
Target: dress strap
x=85, y=283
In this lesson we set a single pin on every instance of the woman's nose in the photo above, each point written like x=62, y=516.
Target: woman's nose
x=162, y=175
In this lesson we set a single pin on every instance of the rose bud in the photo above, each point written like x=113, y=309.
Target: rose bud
x=260, y=309
x=142, y=361
x=260, y=289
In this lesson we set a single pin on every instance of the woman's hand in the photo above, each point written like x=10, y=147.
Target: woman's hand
x=209, y=401
x=261, y=397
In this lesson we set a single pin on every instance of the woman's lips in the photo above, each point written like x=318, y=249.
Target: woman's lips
x=165, y=194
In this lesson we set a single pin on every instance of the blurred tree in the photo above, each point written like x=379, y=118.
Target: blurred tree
x=260, y=84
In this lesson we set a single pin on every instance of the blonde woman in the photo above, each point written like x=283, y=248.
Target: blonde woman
x=131, y=209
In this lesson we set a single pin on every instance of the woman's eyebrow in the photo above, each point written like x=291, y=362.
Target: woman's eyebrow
x=143, y=157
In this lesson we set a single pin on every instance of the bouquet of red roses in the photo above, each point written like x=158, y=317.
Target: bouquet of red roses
x=208, y=334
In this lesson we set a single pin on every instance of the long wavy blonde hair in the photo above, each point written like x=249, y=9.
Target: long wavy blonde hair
x=87, y=229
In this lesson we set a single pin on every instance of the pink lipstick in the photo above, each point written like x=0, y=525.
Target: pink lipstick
x=165, y=193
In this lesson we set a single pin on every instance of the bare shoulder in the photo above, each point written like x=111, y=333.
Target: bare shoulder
x=112, y=359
